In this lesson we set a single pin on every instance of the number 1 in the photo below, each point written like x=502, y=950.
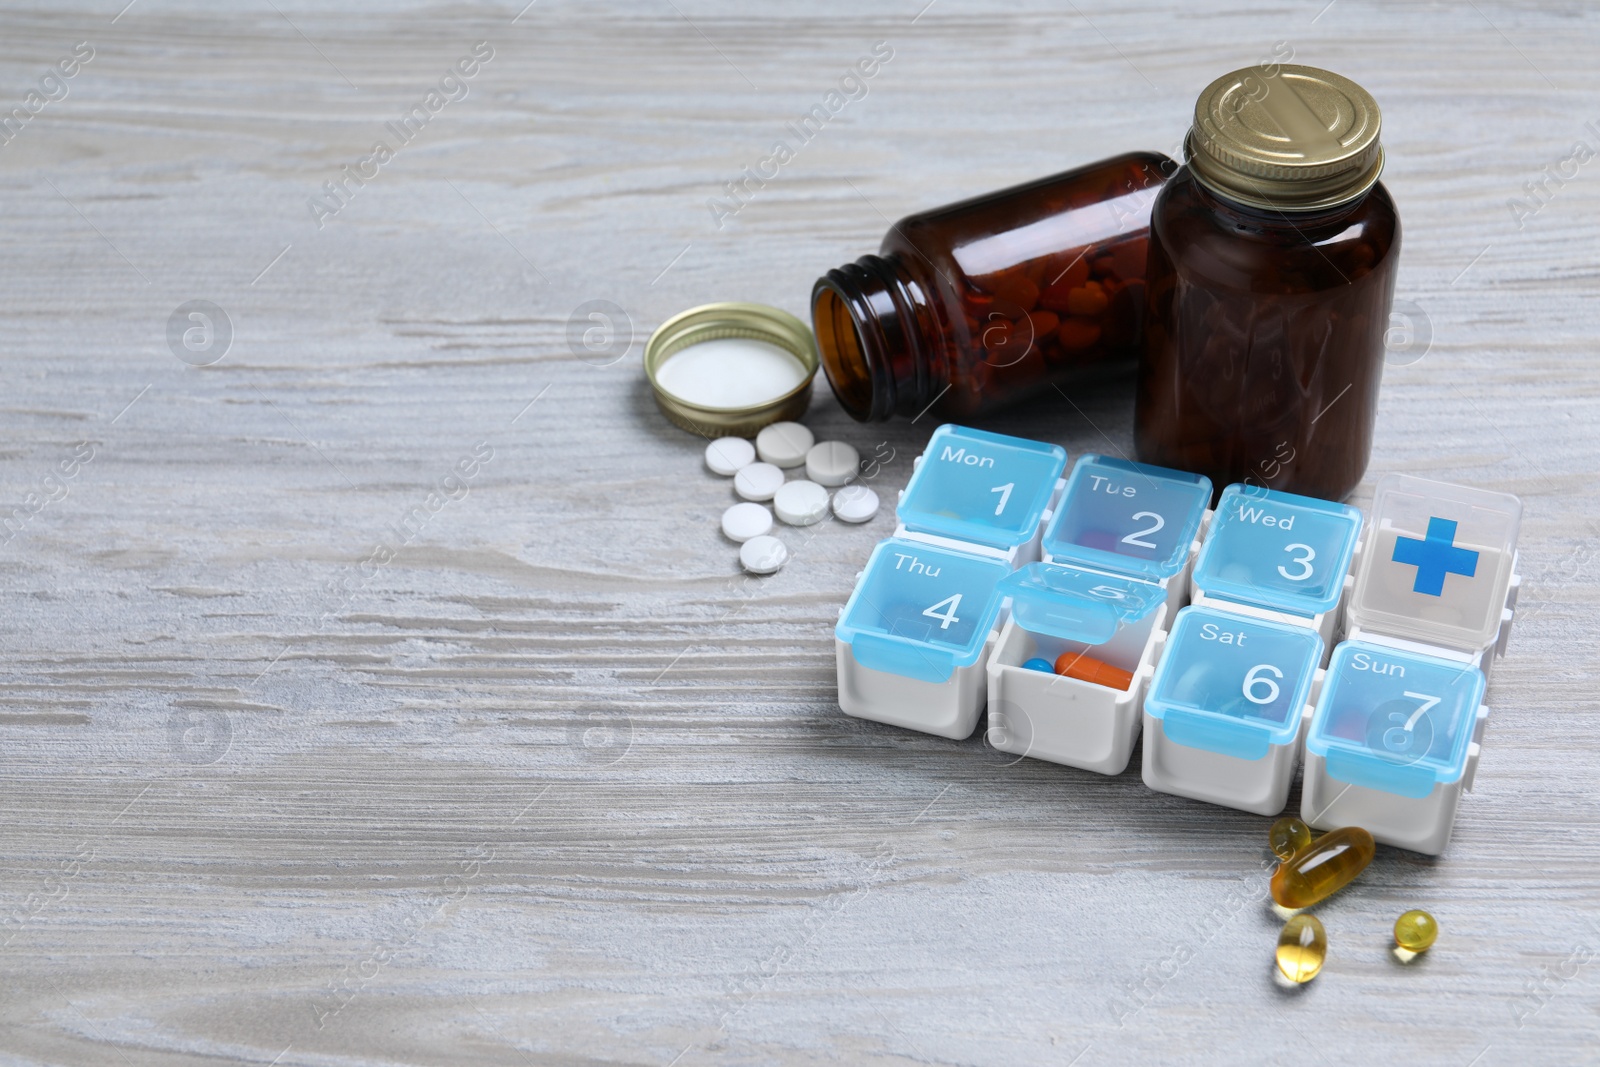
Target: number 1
x=1005, y=494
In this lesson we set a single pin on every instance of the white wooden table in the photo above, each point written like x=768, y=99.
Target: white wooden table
x=315, y=754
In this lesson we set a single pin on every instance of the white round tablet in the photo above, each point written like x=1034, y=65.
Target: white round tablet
x=744, y=521
x=727, y=455
x=763, y=555
x=855, y=503
x=832, y=463
x=801, y=503
x=758, y=481
x=784, y=444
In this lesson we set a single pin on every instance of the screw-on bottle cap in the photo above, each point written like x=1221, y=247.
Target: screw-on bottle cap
x=772, y=331
x=1286, y=137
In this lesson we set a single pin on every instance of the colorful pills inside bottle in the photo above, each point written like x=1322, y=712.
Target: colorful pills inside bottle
x=1416, y=931
x=1302, y=949
x=1288, y=836
x=1323, y=867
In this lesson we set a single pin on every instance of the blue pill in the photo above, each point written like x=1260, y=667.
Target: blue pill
x=1040, y=665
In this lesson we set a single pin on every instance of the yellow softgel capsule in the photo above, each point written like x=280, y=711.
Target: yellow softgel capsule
x=1323, y=867
x=1416, y=931
x=1302, y=947
x=1288, y=836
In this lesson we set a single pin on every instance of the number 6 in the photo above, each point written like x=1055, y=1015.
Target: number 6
x=1254, y=679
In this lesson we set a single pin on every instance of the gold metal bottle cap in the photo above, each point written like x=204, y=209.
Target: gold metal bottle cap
x=716, y=322
x=1286, y=137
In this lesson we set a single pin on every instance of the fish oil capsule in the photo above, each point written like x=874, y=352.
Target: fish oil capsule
x=1288, y=836
x=1416, y=930
x=1322, y=868
x=1302, y=948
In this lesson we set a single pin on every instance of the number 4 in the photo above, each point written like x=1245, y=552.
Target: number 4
x=948, y=615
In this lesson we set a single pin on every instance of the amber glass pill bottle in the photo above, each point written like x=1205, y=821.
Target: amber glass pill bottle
x=973, y=306
x=1273, y=254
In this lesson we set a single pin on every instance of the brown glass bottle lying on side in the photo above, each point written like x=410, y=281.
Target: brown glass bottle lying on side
x=971, y=307
x=1273, y=256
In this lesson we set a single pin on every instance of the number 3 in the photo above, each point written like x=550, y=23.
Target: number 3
x=1303, y=562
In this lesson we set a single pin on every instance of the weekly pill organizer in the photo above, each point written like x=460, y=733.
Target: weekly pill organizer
x=1278, y=633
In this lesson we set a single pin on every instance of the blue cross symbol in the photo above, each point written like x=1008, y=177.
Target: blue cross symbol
x=1435, y=557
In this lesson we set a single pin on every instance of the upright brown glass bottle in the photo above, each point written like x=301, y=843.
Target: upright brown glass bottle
x=973, y=306
x=1273, y=254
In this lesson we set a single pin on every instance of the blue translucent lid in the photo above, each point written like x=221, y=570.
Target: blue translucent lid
x=1232, y=684
x=1128, y=517
x=1278, y=550
x=1077, y=605
x=1395, y=721
x=986, y=488
x=920, y=611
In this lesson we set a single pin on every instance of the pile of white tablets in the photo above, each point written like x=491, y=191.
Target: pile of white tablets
x=781, y=447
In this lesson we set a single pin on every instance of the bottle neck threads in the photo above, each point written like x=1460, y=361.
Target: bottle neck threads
x=873, y=326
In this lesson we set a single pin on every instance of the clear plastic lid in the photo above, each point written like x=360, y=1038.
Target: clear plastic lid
x=981, y=487
x=920, y=611
x=1395, y=721
x=1231, y=684
x=1438, y=562
x=1078, y=605
x=1129, y=517
x=1278, y=550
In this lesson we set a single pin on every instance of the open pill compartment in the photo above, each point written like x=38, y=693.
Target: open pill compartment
x=1439, y=568
x=913, y=639
x=1130, y=518
x=1281, y=552
x=1055, y=609
x=983, y=489
x=1393, y=742
x=1227, y=706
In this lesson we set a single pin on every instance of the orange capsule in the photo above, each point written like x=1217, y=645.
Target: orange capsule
x=1078, y=333
x=1088, y=669
x=1043, y=323
x=1323, y=867
x=1015, y=288
x=1089, y=300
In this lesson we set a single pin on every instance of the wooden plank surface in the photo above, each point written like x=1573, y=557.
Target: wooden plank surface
x=314, y=753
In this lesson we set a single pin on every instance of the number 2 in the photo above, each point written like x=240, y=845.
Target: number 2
x=948, y=615
x=1303, y=562
x=1005, y=494
x=1135, y=538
